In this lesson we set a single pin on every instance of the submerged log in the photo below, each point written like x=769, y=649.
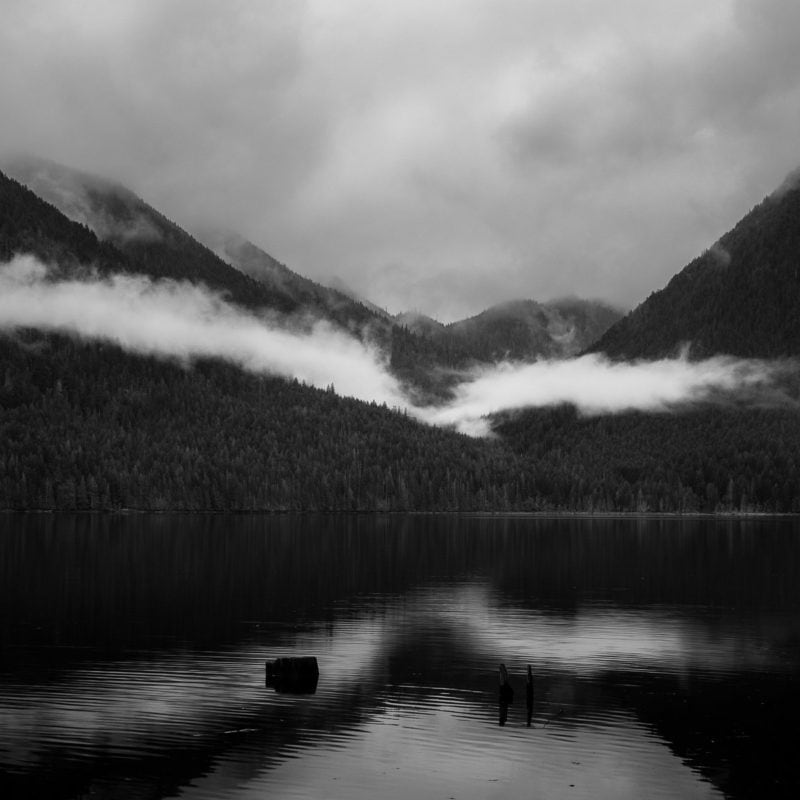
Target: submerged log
x=293, y=674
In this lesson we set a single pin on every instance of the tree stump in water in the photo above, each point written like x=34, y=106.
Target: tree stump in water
x=293, y=674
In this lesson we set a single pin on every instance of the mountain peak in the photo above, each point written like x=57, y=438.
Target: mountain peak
x=790, y=183
x=110, y=210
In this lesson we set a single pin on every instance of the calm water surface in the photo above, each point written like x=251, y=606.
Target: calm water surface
x=666, y=657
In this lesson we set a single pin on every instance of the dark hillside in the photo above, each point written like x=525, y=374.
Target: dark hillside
x=29, y=225
x=740, y=297
x=127, y=235
x=89, y=427
x=152, y=244
x=703, y=459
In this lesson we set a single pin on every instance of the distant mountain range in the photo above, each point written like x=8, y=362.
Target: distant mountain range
x=154, y=245
x=740, y=297
x=517, y=328
x=520, y=330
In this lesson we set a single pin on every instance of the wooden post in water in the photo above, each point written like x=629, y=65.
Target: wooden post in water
x=529, y=695
x=506, y=694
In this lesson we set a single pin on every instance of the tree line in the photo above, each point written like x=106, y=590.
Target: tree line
x=86, y=426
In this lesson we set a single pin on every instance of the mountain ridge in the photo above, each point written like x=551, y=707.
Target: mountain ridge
x=255, y=262
x=555, y=329
x=163, y=249
x=115, y=214
x=740, y=297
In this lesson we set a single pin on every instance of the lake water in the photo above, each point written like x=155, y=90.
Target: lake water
x=665, y=655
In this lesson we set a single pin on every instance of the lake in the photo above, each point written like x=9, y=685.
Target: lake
x=665, y=656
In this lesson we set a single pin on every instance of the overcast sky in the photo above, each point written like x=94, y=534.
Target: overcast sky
x=434, y=155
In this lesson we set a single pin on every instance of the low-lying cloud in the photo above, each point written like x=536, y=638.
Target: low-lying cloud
x=183, y=321
x=595, y=385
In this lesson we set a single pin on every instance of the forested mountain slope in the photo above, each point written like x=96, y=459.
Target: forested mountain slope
x=158, y=247
x=127, y=235
x=740, y=297
x=148, y=242
x=522, y=329
x=262, y=267
x=705, y=458
x=87, y=426
x=30, y=226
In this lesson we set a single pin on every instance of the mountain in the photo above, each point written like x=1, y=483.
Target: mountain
x=246, y=257
x=420, y=323
x=341, y=286
x=740, y=297
x=320, y=300
x=249, y=276
x=139, y=239
x=144, y=241
x=521, y=330
x=153, y=245
x=525, y=329
x=85, y=425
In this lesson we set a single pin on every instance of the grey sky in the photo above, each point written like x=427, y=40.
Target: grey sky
x=434, y=155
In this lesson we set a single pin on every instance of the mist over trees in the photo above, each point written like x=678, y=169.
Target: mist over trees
x=89, y=427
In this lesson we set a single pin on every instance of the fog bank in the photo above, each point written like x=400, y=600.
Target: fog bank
x=595, y=385
x=183, y=321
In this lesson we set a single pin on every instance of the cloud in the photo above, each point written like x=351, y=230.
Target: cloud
x=183, y=321
x=488, y=149
x=595, y=385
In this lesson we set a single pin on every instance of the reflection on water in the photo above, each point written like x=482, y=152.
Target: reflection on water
x=664, y=657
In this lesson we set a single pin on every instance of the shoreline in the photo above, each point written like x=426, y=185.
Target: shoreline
x=555, y=514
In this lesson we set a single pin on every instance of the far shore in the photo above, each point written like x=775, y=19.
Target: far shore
x=561, y=514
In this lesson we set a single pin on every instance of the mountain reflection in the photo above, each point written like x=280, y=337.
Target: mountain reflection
x=136, y=645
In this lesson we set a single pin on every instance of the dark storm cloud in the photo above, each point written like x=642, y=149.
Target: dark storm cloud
x=441, y=156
